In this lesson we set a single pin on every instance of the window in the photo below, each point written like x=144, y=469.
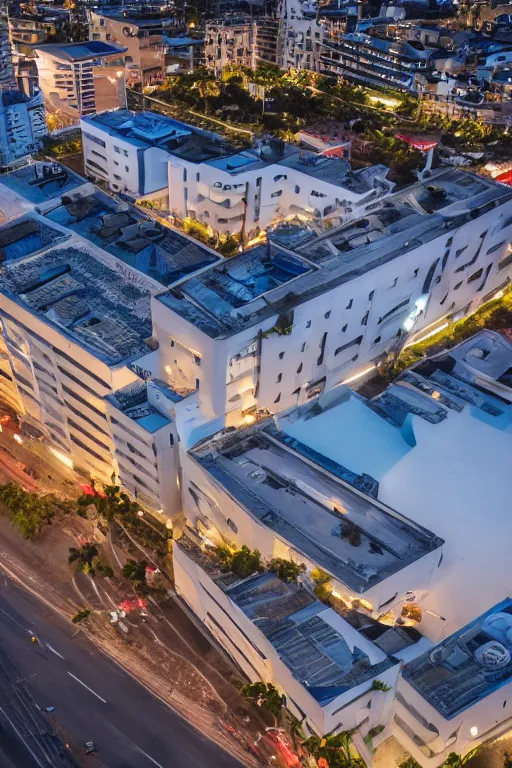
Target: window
x=277, y=194
x=449, y=242
x=444, y=299
x=376, y=341
x=197, y=383
x=349, y=305
x=125, y=153
x=415, y=273
x=430, y=276
x=184, y=174
x=459, y=251
x=303, y=347
x=198, y=176
x=496, y=247
x=116, y=149
x=445, y=260
x=197, y=360
x=281, y=355
x=395, y=281
x=231, y=525
x=277, y=398
x=258, y=181
x=297, y=189
x=279, y=177
x=308, y=323
x=127, y=169
x=279, y=377
x=344, y=328
x=393, y=310
x=299, y=369
x=371, y=295
x=476, y=275
x=364, y=319
x=456, y=287
x=327, y=315
x=352, y=343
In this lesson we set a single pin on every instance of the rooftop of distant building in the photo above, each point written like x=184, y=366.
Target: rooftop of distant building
x=468, y=665
x=133, y=401
x=145, y=129
x=227, y=298
x=33, y=185
x=81, y=51
x=74, y=289
x=315, y=504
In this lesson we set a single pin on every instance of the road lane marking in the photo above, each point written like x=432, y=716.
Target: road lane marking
x=20, y=737
x=16, y=622
x=52, y=649
x=148, y=756
x=86, y=686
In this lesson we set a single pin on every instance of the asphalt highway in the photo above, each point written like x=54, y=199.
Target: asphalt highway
x=94, y=700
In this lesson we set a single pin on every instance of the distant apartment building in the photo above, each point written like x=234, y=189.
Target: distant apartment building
x=229, y=43
x=7, y=79
x=182, y=55
x=77, y=278
x=226, y=190
x=81, y=78
x=142, y=36
x=22, y=126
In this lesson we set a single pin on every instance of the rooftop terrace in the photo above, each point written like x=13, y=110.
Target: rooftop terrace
x=142, y=243
x=322, y=651
x=86, y=299
x=399, y=223
x=132, y=400
x=314, y=507
x=91, y=49
x=468, y=665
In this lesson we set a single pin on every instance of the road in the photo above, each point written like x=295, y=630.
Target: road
x=94, y=699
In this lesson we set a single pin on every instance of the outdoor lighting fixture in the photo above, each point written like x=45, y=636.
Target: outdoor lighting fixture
x=436, y=395
x=249, y=419
x=498, y=295
x=140, y=513
x=359, y=375
x=168, y=525
x=61, y=457
x=473, y=731
x=18, y=439
x=119, y=73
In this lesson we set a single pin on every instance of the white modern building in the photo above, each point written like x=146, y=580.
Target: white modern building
x=272, y=327
x=348, y=486
x=81, y=78
x=78, y=271
x=196, y=174
x=22, y=126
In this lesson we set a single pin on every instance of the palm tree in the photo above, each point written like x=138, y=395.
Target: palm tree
x=84, y=557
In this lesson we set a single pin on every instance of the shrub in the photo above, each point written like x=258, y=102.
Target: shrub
x=242, y=562
x=351, y=533
x=81, y=614
x=380, y=685
x=286, y=570
x=319, y=576
x=264, y=695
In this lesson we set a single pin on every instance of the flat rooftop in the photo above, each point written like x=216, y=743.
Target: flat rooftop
x=81, y=51
x=73, y=289
x=309, y=504
x=399, y=223
x=436, y=446
x=125, y=232
x=321, y=650
x=132, y=400
x=468, y=665
x=34, y=184
x=146, y=129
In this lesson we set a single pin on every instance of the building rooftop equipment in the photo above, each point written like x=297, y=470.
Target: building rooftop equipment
x=34, y=184
x=399, y=223
x=321, y=649
x=125, y=232
x=311, y=505
x=90, y=302
x=81, y=51
x=468, y=665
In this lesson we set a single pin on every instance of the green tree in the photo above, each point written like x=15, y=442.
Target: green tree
x=242, y=562
x=264, y=695
x=135, y=572
x=81, y=615
x=30, y=512
x=84, y=556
